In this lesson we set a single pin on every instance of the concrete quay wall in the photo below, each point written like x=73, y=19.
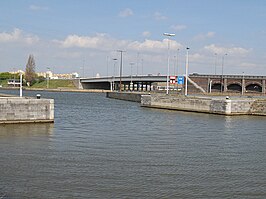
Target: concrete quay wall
x=25, y=110
x=134, y=97
x=206, y=105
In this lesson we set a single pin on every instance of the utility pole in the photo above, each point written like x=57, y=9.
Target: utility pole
x=168, y=59
x=186, y=82
x=121, y=67
x=222, y=80
x=138, y=64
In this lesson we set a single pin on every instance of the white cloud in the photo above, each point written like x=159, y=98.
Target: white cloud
x=153, y=45
x=18, y=36
x=126, y=13
x=10, y=37
x=104, y=42
x=204, y=36
x=36, y=7
x=229, y=50
x=146, y=34
x=178, y=27
x=159, y=16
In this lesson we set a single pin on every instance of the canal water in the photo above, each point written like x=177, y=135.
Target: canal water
x=106, y=148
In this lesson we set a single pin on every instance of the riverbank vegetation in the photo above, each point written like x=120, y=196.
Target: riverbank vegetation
x=38, y=82
x=54, y=84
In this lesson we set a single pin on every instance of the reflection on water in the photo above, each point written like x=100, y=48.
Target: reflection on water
x=104, y=148
x=26, y=130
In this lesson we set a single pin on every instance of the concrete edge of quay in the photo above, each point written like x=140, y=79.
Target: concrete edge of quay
x=26, y=121
x=198, y=104
x=231, y=107
x=58, y=90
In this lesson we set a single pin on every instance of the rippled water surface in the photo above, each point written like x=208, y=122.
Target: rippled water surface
x=105, y=148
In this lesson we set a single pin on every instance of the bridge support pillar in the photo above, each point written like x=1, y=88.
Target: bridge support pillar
x=263, y=87
x=243, y=86
x=225, y=85
x=209, y=85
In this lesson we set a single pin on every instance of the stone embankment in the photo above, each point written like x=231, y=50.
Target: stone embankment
x=26, y=110
x=203, y=104
x=224, y=106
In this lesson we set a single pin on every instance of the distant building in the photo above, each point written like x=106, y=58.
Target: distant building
x=58, y=76
x=17, y=72
x=13, y=83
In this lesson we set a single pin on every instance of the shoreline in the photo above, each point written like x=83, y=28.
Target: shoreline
x=58, y=90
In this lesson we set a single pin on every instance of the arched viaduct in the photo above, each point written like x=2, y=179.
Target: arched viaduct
x=229, y=83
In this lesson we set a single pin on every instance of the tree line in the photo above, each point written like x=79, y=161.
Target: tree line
x=29, y=78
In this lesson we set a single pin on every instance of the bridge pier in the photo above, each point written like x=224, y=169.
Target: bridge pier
x=263, y=87
x=243, y=86
x=225, y=85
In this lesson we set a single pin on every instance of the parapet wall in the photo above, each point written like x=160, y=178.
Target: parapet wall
x=206, y=105
x=23, y=110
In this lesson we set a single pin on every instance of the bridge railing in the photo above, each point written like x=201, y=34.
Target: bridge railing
x=228, y=76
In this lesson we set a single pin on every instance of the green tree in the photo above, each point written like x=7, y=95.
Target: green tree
x=5, y=75
x=30, y=70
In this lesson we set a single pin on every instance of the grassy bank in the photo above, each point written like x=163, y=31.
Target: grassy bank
x=55, y=84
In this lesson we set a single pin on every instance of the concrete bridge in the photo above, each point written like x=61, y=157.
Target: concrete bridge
x=197, y=83
x=113, y=83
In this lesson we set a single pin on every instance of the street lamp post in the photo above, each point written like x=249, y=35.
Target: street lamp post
x=141, y=66
x=243, y=83
x=168, y=60
x=131, y=83
x=47, y=74
x=138, y=64
x=215, y=63
x=222, y=81
x=186, y=82
x=121, y=67
x=20, y=88
x=113, y=83
x=177, y=54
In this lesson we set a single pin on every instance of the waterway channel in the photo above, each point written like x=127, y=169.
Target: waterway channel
x=106, y=148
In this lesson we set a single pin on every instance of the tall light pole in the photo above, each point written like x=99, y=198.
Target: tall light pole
x=131, y=83
x=121, y=66
x=168, y=60
x=177, y=54
x=107, y=65
x=215, y=63
x=113, y=87
x=243, y=83
x=222, y=81
x=47, y=73
x=142, y=67
x=20, y=87
x=83, y=68
x=186, y=82
x=138, y=64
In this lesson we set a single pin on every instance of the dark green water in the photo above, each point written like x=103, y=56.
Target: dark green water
x=105, y=148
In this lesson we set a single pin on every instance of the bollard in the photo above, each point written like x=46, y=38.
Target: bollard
x=38, y=96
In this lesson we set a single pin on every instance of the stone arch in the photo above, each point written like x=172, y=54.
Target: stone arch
x=235, y=87
x=216, y=86
x=254, y=87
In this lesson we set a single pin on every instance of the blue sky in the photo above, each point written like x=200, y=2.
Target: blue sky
x=69, y=35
